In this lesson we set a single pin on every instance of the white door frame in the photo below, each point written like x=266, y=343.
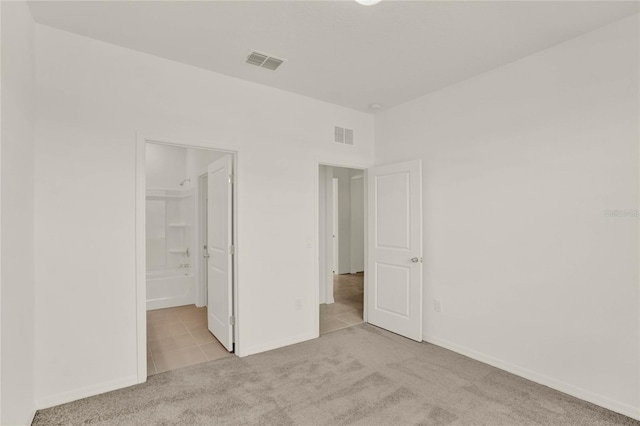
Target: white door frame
x=198, y=251
x=335, y=228
x=316, y=235
x=140, y=242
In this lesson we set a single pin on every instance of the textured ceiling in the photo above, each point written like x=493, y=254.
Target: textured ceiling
x=338, y=51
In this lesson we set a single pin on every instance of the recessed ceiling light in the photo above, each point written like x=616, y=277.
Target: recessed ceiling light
x=368, y=2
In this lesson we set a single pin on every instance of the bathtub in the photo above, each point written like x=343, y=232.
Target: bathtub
x=167, y=288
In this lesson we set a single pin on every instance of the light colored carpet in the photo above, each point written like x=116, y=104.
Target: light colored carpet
x=358, y=375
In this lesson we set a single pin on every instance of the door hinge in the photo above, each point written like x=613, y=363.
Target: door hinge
x=232, y=249
x=232, y=320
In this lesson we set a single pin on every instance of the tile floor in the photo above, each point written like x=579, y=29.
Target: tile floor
x=178, y=337
x=348, y=293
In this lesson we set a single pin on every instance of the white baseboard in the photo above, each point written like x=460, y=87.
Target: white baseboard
x=602, y=401
x=278, y=344
x=30, y=417
x=74, y=395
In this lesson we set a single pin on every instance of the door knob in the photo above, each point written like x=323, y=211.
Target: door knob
x=415, y=259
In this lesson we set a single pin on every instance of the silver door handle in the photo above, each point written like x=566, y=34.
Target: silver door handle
x=415, y=259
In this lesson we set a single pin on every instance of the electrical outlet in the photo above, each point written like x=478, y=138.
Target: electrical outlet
x=437, y=305
x=298, y=304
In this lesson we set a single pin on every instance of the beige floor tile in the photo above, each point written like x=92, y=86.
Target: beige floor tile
x=172, y=343
x=162, y=316
x=348, y=293
x=352, y=317
x=193, y=313
x=194, y=319
x=180, y=358
x=161, y=331
x=330, y=324
x=334, y=308
x=214, y=351
x=202, y=335
x=178, y=337
x=183, y=308
x=196, y=324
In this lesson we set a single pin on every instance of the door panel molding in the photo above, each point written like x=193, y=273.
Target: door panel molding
x=394, y=301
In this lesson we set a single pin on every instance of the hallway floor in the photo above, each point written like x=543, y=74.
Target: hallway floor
x=348, y=293
x=178, y=337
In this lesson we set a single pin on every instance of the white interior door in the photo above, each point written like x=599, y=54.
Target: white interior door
x=219, y=249
x=394, y=296
x=336, y=222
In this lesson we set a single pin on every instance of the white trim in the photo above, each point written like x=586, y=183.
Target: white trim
x=326, y=278
x=279, y=344
x=74, y=395
x=334, y=241
x=315, y=309
x=140, y=249
x=365, y=200
x=594, y=398
x=198, y=251
x=367, y=272
x=197, y=144
x=31, y=417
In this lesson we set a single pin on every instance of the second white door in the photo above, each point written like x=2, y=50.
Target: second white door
x=394, y=297
x=220, y=251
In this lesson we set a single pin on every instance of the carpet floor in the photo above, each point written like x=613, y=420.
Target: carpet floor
x=358, y=375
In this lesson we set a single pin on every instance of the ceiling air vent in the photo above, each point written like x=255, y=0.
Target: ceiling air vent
x=272, y=63
x=263, y=60
x=342, y=135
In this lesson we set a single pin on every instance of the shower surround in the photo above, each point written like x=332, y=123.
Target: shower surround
x=170, y=236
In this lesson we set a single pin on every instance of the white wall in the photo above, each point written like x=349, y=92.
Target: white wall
x=351, y=219
x=344, y=219
x=520, y=166
x=325, y=243
x=198, y=160
x=92, y=99
x=356, y=226
x=166, y=166
x=17, y=265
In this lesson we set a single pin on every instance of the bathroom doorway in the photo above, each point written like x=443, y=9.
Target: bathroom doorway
x=188, y=311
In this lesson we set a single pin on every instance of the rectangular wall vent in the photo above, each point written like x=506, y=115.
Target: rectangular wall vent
x=263, y=60
x=348, y=136
x=343, y=135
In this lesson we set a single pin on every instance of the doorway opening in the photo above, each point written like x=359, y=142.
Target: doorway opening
x=186, y=253
x=342, y=247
